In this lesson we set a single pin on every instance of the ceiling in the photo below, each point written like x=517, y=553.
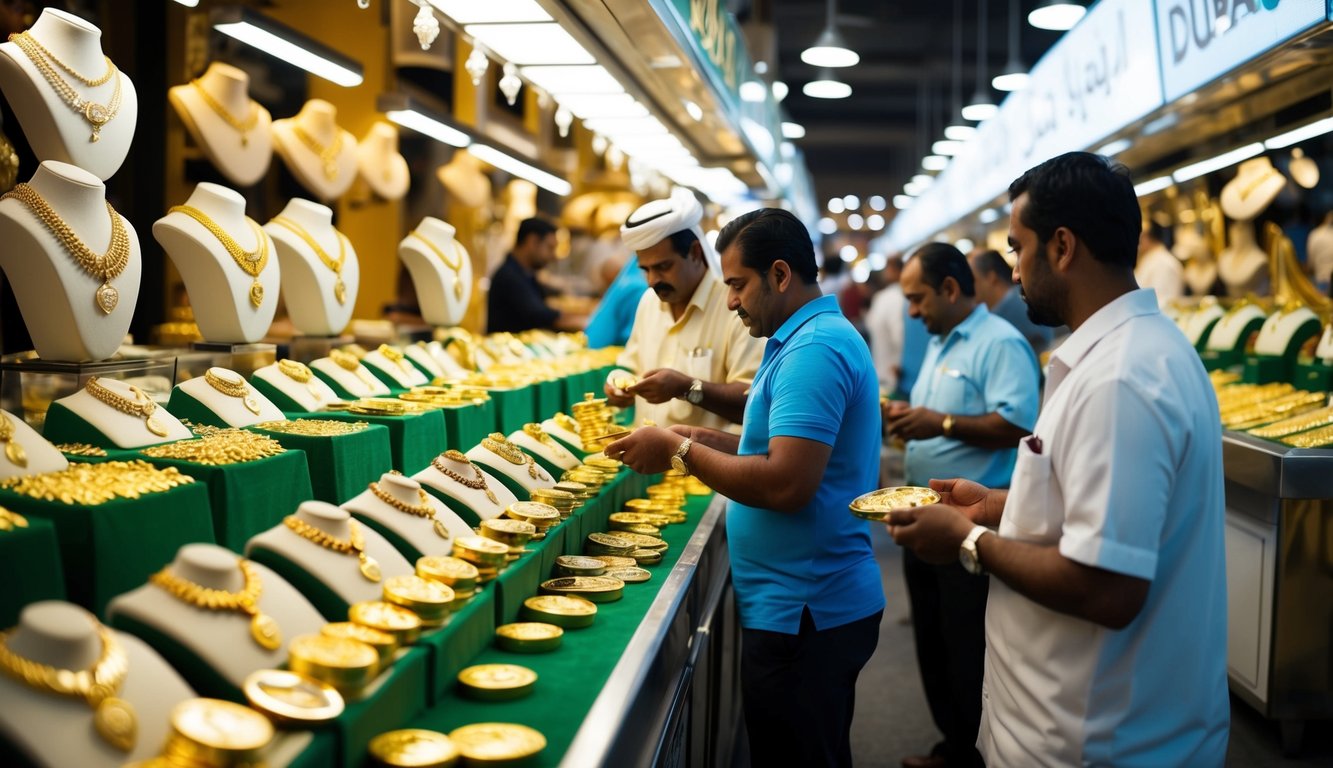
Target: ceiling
x=873, y=141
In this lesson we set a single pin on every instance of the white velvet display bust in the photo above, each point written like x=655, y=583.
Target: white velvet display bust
x=326, y=178
x=308, y=285
x=57, y=298
x=54, y=730
x=231, y=410
x=1226, y=334
x=311, y=395
x=1277, y=331
x=243, y=156
x=123, y=429
x=360, y=383
x=474, y=499
x=221, y=639
x=419, y=354
x=37, y=455
x=1243, y=266
x=518, y=473
x=379, y=163
x=220, y=290
x=402, y=372
x=53, y=128
x=419, y=532
x=441, y=271
x=553, y=428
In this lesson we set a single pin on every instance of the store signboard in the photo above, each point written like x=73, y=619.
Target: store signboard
x=1202, y=40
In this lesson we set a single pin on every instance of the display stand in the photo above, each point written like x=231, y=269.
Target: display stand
x=1199, y=323
x=342, y=465
x=470, y=630
x=29, y=384
x=288, y=393
x=515, y=476
x=320, y=272
x=472, y=504
x=320, y=154
x=441, y=271
x=349, y=384
x=450, y=367
x=399, y=375
x=304, y=348
x=396, y=695
x=571, y=440
x=419, y=356
x=24, y=452
x=554, y=459
x=32, y=556
x=232, y=129
x=1230, y=337
x=413, y=438
x=514, y=407
x=413, y=536
x=1315, y=373
x=468, y=424
x=1279, y=342
x=380, y=165
x=82, y=418
x=201, y=403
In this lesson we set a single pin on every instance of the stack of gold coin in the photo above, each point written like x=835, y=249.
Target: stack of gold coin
x=644, y=506
x=629, y=575
x=598, y=589
x=672, y=496
x=514, y=534
x=497, y=743
x=593, y=479
x=615, y=561
x=391, y=619
x=379, y=407
x=580, y=492
x=606, y=466
x=643, y=529
x=563, y=501
x=643, y=540
x=647, y=556
x=565, y=611
x=289, y=697
x=384, y=643
x=428, y=599
x=496, y=682
x=543, y=516
x=626, y=521
x=594, y=419
x=413, y=748
x=488, y=555
x=348, y=665
x=458, y=574
x=209, y=732
x=529, y=637
x=607, y=544
x=578, y=565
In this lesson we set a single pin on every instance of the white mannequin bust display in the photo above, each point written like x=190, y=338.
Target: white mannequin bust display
x=340, y=572
x=403, y=373
x=57, y=130
x=558, y=455
x=441, y=271
x=1243, y=266
x=419, y=354
x=1324, y=351
x=446, y=361
x=231, y=314
x=498, y=465
x=62, y=304
x=311, y=395
x=123, y=429
x=380, y=164
x=57, y=730
x=419, y=532
x=1197, y=321
x=26, y=452
x=221, y=639
x=360, y=382
x=474, y=499
x=565, y=436
x=1277, y=332
x=1256, y=185
x=231, y=128
x=252, y=408
x=319, y=154
x=310, y=287
x=1319, y=252
x=1200, y=271
x=1226, y=334
x=465, y=181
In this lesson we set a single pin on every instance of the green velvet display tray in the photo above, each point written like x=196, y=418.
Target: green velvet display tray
x=32, y=559
x=414, y=439
x=320, y=753
x=340, y=465
x=339, y=389
x=1313, y=376
x=468, y=632
x=277, y=397
x=549, y=399
x=114, y=547
x=513, y=408
x=466, y=425
x=249, y=497
x=1264, y=369
x=329, y=604
x=520, y=580
x=185, y=406
x=64, y=426
x=395, y=698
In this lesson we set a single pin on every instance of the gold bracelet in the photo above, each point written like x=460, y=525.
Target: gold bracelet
x=477, y=483
x=354, y=545
x=238, y=389
x=263, y=628
x=422, y=509
x=92, y=484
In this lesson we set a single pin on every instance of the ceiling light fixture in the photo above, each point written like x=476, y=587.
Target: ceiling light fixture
x=934, y=162
x=947, y=147
x=491, y=11
x=1113, y=148
x=1304, y=133
x=527, y=44
x=792, y=130
x=1224, y=160
x=830, y=49
x=779, y=91
x=695, y=111
x=402, y=110
x=826, y=87
x=903, y=202
x=835, y=205
x=1057, y=15
x=753, y=91
x=1152, y=185
x=960, y=132
x=286, y=44
x=1014, y=76
x=877, y=203
x=561, y=79
x=982, y=107
x=516, y=167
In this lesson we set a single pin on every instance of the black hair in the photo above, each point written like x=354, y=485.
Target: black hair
x=534, y=226
x=682, y=241
x=940, y=261
x=1092, y=196
x=990, y=262
x=767, y=235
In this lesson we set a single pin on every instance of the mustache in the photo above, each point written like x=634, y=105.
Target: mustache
x=742, y=314
x=662, y=288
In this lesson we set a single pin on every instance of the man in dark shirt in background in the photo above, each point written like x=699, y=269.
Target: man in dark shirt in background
x=517, y=301
x=995, y=286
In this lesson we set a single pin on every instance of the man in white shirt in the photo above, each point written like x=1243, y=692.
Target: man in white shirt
x=1158, y=268
x=1106, y=624
x=884, y=322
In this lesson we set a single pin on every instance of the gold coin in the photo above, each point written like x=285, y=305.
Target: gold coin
x=620, y=519
x=387, y=617
x=642, y=541
x=607, y=544
x=289, y=697
x=616, y=561
x=629, y=575
x=876, y=505
x=529, y=630
x=453, y=571
x=383, y=642
x=414, y=748
x=495, y=742
x=234, y=729
x=496, y=682
x=535, y=512
x=579, y=565
x=647, y=556
x=567, y=611
x=598, y=589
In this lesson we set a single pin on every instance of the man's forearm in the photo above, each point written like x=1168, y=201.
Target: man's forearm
x=716, y=439
x=725, y=399
x=989, y=430
x=756, y=480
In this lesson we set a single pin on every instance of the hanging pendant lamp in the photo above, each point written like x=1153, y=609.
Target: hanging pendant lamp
x=830, y=49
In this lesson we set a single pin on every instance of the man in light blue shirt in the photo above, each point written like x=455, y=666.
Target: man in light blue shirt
x=976, y=396
x=612, y=321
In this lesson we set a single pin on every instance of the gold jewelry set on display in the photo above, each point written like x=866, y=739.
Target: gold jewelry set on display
x=397, y=357
x=97, y=115
x=536, y=432
x=423, y=507
x=80, y=449
x=142, y=406
x=241, y=126
x=499, y=445
x=327, y=153
x=455, y=267
x=238, y=388
x=263, y=628
x=354, y=544
x=351, y=363
x=250, y=262
x=219, y=447
x=301, y=374
x=334, y=265
x=11, y=520
x=93, y=484
x=477, y=482
x=313, y=427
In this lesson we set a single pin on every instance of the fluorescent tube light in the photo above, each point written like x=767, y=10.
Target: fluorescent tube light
x=286, y=44
x=561, y=79
x=934, y=162
x=587, y=106
x=1224, y=160
x=516, y=167
x=947, y=147
x=1152, y=185
x=1298, y=135
x=1113, y=148
x=960, y=132
x=524, y=44
x=491, y=11
x=429, y=127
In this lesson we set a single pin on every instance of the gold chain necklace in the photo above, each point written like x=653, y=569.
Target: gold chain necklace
x=301, y=374
x=263, y=628
x=477, y=483
x=395, y=356
x=242, y=127
x=96, y=114
x=113, y=717
x=237, y=389
x=421, y=509
x=339, y=290
x=13, y=451
x=536, y=432
x=250, y=262
x=499, y=445
x=354, y=545
x=455, y=267
x=328, y=153
x=349, y=362
x=103, y=267
x=142, y=405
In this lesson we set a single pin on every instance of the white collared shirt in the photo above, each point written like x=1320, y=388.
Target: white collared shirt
x=1128, y=478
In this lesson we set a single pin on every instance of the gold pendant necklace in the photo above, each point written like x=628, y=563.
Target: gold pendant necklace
x=397, y=357
x=231, y=388
x=353, y=545
x=536, y=432
x=102, y=267
x=13, y=451
x=348, y=362
x=141, y=406
x=113, y=717
x=250, y=262
x=499, y=445
x=301, y=374
x=328, y=153
x=455, y=267
x=242, y=127
x=422, y=508
x=97, y=115
x=339, y=290
x=477, y=483
x=263, y=628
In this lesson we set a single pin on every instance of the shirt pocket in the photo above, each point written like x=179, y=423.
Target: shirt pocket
x=958, y=393
x=1030, y=513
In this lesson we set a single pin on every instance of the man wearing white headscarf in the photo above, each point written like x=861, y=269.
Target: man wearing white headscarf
x=693, y=357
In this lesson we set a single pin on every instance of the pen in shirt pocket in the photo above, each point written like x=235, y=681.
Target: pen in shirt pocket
x=1034, y=444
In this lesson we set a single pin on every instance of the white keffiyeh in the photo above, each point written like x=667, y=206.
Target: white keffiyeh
x=656, y=221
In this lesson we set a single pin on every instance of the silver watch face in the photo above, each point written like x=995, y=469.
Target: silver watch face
x=695, y=394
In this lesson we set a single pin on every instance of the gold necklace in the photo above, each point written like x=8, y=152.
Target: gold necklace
x=237, y=389
x=455, y=267
x=142, y=405
x=477, y=483
x=536, y=432
x=349, y=362
x=339, y=290
x=97, y=115
x=499, y=445
x=421, y=509
x=354, y=545
x=328, y=153
x=100, y=266
x=250, y=262
x=113, y=717
x=13, y=451
x=11, y=520
x=242, y=127
x=263, y=628
x=395, y=356
x=301, y=374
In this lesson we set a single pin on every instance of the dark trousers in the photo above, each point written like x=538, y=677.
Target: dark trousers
x=949, y=624
x=798, y=691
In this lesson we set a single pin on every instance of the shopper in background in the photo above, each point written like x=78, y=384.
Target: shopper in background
x=1157, y=267
x=806, y=581
x=517, y=301
x=613, y=320
x=693, y=357
x=1106, y=630
x=1319, y=247
x=884, y=325
x=977, y=395
x=997, y=290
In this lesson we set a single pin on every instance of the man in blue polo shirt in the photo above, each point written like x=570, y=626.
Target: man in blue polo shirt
x=806, y=580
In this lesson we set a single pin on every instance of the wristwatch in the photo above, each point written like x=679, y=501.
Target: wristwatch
x=947, y=425
x=695, y=394
x=967, y=552
x=678, y=458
